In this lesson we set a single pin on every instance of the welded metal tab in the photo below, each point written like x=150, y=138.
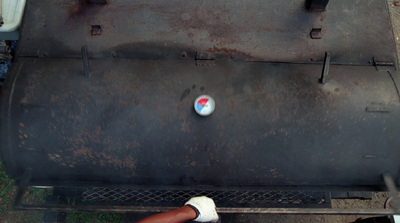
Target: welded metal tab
x=205, y=59
x=316, y=33
x=96, y=30
x=85, y=59
x=384, y=63
x=317, y=5
x=325, y=69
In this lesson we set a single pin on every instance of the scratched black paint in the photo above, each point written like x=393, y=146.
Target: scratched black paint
x=128, y=123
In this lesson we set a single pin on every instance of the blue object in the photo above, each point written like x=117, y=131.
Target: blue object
x=14, y=46
x=4, y=64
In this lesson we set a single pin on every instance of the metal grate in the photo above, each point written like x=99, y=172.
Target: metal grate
x=225, y=198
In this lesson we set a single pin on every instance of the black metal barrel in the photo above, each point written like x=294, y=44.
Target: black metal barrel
x=133, y=122
x=130, y=120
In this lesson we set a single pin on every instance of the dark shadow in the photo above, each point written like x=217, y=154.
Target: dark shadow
x=316, y=5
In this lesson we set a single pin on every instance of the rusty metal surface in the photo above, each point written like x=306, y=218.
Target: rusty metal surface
x=133, y=122
x=353, y=31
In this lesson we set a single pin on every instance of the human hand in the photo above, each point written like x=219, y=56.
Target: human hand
x=205, y=209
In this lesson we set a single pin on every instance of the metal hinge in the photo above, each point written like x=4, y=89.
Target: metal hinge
x=205, y=59
x=384, y=63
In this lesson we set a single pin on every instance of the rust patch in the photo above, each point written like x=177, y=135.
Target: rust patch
x=116, y=163
x=231, y=52
x=128, y=162
x=33, y=83
x=84, y=151
x=54, y=158
x=185, y=126
x=80, y=153
x=54, y=98
x=132, y=145
x=275, y=173
x=81, y=6
x=216, y=22
x=81, y=12
x=24, y=100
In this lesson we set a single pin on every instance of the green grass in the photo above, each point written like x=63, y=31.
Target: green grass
x=37, y=195
x=7, y=193
x=80, y=217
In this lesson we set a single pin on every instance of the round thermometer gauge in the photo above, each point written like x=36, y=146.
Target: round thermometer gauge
x=204, y=105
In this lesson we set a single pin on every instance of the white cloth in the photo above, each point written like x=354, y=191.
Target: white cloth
x=205, y=207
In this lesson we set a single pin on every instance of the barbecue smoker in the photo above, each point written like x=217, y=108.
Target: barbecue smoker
x=99, y=104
